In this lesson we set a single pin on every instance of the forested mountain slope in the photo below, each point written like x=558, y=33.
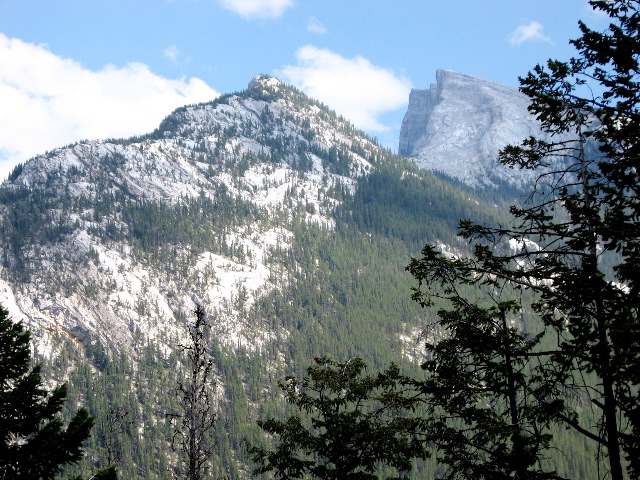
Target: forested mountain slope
x=290, y=227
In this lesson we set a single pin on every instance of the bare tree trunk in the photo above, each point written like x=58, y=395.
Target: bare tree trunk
x=197, y=417
x=609, y=411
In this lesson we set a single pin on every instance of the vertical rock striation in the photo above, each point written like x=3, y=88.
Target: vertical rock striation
x=459, y=124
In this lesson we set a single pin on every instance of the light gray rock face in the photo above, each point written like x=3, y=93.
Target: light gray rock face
x=230, y=148
x=459, y=125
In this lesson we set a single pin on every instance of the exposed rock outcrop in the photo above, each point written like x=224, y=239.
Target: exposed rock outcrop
x=459, y=124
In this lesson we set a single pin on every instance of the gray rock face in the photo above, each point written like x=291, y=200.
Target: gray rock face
x=459, y=125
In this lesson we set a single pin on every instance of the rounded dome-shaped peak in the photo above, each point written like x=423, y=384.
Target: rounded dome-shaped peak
x=262, y=81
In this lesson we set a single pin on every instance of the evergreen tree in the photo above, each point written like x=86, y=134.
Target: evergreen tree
x=609, y=66
x=580, y=217
x=482, y=390
x=108, y=473
x=355, y=427
x=34, y=443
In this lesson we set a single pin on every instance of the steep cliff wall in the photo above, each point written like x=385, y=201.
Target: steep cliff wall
x=459, y=124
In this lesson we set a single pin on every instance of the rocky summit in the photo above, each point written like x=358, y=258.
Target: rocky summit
x=73, y=271
x=288, y=225
x=459, y=125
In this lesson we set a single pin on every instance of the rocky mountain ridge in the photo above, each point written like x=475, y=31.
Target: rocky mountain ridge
x=288, y=225
x=177, y=167
x=459, y=125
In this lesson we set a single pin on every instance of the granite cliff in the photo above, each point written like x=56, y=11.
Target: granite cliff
x=459, y=124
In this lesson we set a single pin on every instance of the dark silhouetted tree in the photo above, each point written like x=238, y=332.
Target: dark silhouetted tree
x=195, y=422
x=114, y=424
x=34, y=442
x=482, y=392
x=354, y=424
x=577, y=239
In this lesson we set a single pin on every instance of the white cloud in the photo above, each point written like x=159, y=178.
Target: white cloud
x=354, y=88
x=48, y=101
x=257, y=8
x=530, y=32
x=315, y=26
x=172, y=53
x=596, y=12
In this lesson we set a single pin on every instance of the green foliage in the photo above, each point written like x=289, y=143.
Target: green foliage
x=608, y=331
x=15, y=173
x=579, y=214
x=34, y=442
x=397, y=200
x=356, y=425
x=31, y=219
x=108, y=473
x=489, y=404
x=197, y=222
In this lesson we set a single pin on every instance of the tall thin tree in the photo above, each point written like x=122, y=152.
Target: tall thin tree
x=578, y=238
x=195, y=422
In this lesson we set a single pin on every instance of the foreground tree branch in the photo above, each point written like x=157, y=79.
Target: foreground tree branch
x=588, y=213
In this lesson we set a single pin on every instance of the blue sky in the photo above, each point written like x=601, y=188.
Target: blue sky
x=91, y=69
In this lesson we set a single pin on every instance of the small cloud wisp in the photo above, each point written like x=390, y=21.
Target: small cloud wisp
x=315, y=26
x=530, y=32
x=257, y=8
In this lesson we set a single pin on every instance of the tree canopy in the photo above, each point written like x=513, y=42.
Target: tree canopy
x=573, y=246
x=34, y=442
x=354, y=425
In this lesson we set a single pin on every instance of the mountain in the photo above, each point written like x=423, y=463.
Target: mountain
x=288, y=225
x=210, y=191
x=459, y=125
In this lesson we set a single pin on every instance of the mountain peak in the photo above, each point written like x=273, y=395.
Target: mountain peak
x=264, y=81
x=246, y=167
x=459, y=125
x=451, y=77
